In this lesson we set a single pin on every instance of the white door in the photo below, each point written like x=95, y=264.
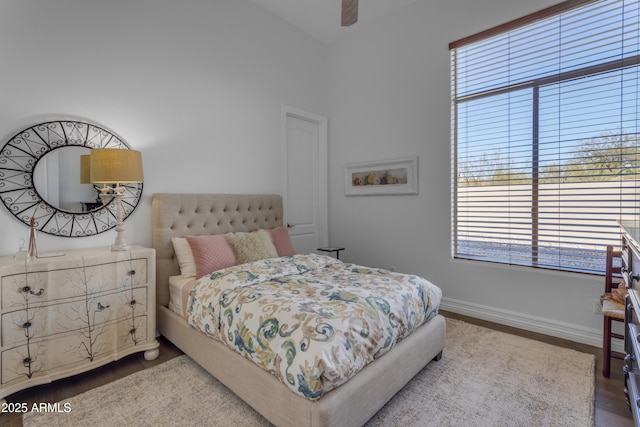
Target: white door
x=305, y=178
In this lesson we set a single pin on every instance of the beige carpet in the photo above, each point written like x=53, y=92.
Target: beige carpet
x=486, y=378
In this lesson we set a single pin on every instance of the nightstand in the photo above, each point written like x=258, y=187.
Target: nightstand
x=68, y=314
x=335, y=249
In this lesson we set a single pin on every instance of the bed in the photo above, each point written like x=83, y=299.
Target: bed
x=350, y=404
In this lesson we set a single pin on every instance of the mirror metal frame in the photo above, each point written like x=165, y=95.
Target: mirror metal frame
x=18, y=159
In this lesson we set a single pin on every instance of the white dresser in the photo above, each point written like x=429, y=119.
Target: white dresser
x=68, y=314
x=631, y=275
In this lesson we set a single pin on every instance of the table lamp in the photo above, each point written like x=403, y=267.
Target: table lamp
x=113, y=167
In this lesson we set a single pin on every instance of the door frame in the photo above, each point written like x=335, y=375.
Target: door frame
x=323, y=206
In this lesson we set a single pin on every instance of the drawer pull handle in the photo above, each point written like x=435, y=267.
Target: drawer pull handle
x=133, y=302
x=132, y=331
x=102, y=307
x=131, y=272
x=26, y=361
x=26, y=325
x=28, y=290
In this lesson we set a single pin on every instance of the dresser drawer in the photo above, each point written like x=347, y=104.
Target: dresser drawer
x=71, y=349
x=632, y=387
x=633, y=332
x=60, y=317
x=88, y=277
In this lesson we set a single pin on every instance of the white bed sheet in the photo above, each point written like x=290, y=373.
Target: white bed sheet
x=179, y=289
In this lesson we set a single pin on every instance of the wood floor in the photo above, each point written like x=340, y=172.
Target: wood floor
x=610, y=406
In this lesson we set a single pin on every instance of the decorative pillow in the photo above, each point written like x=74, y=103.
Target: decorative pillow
x=252, y=246
x=185, y=257
x=211, y=253
x=280, y=238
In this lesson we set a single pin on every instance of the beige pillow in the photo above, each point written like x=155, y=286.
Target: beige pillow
x=252, y=246
x=185, y=256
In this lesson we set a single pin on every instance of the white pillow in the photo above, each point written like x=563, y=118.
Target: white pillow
x=185, y=257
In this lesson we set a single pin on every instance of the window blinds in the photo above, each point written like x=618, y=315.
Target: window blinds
x=545, y=121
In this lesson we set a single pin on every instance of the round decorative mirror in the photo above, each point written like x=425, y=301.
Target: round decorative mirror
x=40, y=177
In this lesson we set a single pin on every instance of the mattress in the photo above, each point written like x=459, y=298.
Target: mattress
x=179, y=290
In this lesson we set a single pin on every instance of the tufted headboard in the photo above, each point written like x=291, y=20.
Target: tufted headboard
x=179, y=215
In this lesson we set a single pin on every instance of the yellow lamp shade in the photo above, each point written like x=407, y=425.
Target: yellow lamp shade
x=114, y=165
x=85, y=165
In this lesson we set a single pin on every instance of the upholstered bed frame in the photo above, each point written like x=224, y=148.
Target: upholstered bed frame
x=351, y=404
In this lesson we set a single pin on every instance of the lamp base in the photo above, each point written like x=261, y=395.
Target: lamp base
x=121, y=242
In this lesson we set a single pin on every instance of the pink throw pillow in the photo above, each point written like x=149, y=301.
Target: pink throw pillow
x=280, y=238
x=211, y=253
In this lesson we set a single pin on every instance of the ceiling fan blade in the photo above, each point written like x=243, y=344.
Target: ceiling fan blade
x=349, y=12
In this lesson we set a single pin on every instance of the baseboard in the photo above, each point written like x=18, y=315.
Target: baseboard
x=540, y=325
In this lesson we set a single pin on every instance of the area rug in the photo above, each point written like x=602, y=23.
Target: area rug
x=485, y=378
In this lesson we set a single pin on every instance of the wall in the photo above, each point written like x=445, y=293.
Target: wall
x=196, y=85
x=389, y=97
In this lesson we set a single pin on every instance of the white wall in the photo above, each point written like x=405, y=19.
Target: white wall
x=389, y=96
x=196, y=85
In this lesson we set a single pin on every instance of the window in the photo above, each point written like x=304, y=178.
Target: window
x=545, y=123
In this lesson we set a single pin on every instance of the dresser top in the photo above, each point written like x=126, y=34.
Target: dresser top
x=62, y=257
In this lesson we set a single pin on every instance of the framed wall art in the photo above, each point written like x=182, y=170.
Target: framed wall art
x=397, y=176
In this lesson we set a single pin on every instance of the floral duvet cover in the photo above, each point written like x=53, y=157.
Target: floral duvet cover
x=310, y=320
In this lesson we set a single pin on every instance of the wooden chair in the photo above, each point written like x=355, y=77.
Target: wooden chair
x=612, y=309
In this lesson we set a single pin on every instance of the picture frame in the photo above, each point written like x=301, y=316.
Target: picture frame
x=385, y=177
